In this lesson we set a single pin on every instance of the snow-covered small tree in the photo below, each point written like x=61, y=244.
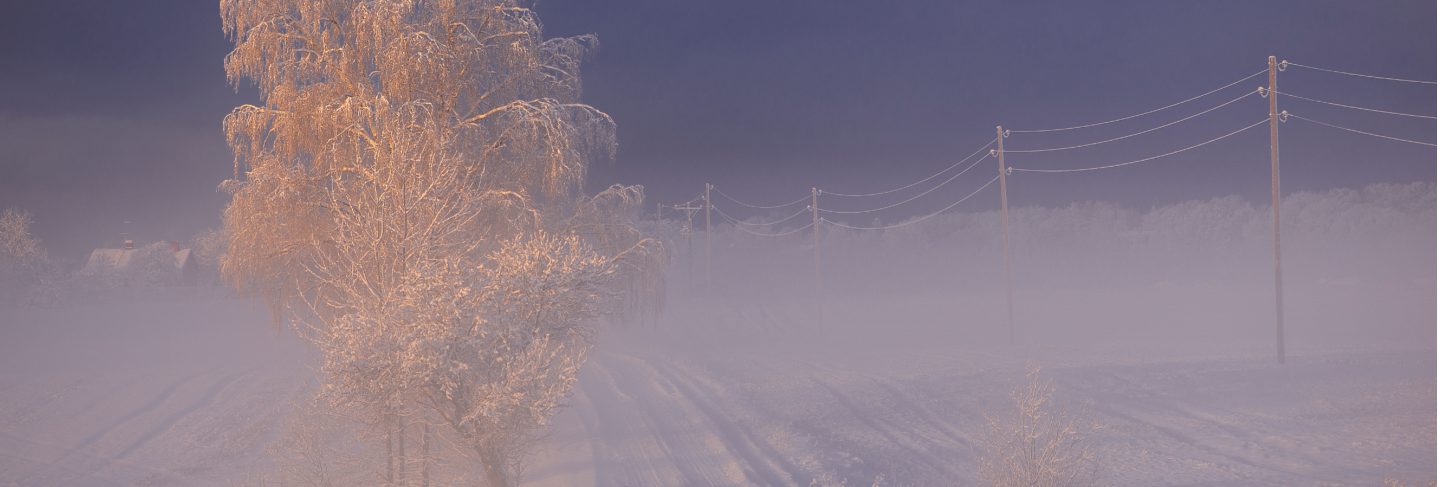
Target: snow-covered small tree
x=208, y=246
x=1037, y=443
x=23, y=261
x=17, y=244
x=410, y=189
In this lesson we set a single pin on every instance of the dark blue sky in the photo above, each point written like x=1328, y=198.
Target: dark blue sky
x=111, y=112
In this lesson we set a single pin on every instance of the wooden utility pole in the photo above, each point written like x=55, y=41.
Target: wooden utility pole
x=815, y=230
x=689, y=231
x=708, y=268
x=1275, y=217
x=1005, y=230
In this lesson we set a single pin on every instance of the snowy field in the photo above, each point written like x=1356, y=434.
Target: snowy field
x=1157, y=326
x=193, y=392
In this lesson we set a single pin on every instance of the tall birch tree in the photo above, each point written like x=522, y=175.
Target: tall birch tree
x=409, y=192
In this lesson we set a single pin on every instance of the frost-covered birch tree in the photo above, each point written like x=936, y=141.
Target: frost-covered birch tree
x=409, y=192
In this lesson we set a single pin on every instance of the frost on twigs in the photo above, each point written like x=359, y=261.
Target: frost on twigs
x=605, y=221
x=1037, y=443
x=26, y=273
x=407, y=193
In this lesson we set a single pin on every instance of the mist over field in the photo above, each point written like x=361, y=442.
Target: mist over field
x=397, y=243
x=1154, y=324
x=1096, y=274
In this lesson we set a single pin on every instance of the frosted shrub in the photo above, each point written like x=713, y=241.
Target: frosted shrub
x=152, y=265
x=27, y=275
x=1035, y=444
x=207, y=247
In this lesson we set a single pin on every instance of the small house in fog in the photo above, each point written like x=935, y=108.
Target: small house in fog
x=163, y=260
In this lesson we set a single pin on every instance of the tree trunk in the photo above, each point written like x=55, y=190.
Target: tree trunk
x=400, y=424
x=277, y=313
x=494, y=465
x=425, y=456
x=389, y=453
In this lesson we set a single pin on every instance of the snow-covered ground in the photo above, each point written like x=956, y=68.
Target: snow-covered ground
x=1157, y=325
x=193, y=392
x=142, y=393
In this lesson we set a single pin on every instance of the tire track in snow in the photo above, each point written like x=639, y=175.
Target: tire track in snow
x=164, y=395
x=1253, y=437
x=100, y=398
x=740, y=441
x=699, y=461
x=585, y=410
x=159, y=399
x=926, y=417
x=655, y=432
x=168, y=422
x=88, y=477
x=75, y=416
x=1179, y=437
x=1157, y=400
x=918, y=428
x=32, y=445
x=902, y=400
x=888, y=430
x=621, y=439
x=1153, y=401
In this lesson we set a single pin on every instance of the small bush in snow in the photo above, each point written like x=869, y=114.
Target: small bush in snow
x=27, y=275
x=1035, y=444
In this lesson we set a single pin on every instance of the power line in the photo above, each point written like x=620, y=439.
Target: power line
x=912, y=198
x=737, y=221
x=687, y=203
x=1397, y=139
x=1137, y=161
x=1371, y=76
x=1172, y=105
x=911, y=185
x=1142, y=132
x=740, y=226
x=988, y=144
x=758, y=207
x=920, y=219
x=1342, y=105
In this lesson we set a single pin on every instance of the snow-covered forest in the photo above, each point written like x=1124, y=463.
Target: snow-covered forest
x=418, y=279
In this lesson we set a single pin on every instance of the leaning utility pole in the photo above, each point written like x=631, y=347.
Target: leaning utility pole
x=815, y=230
x=1275, y=217
x=1005, y=230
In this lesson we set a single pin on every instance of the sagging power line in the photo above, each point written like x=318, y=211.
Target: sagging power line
x=1353, y=107
x=1274, y=118
x=1141, y=114
x=1362, y=132
x=1284, y=64
x=1142, y=132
